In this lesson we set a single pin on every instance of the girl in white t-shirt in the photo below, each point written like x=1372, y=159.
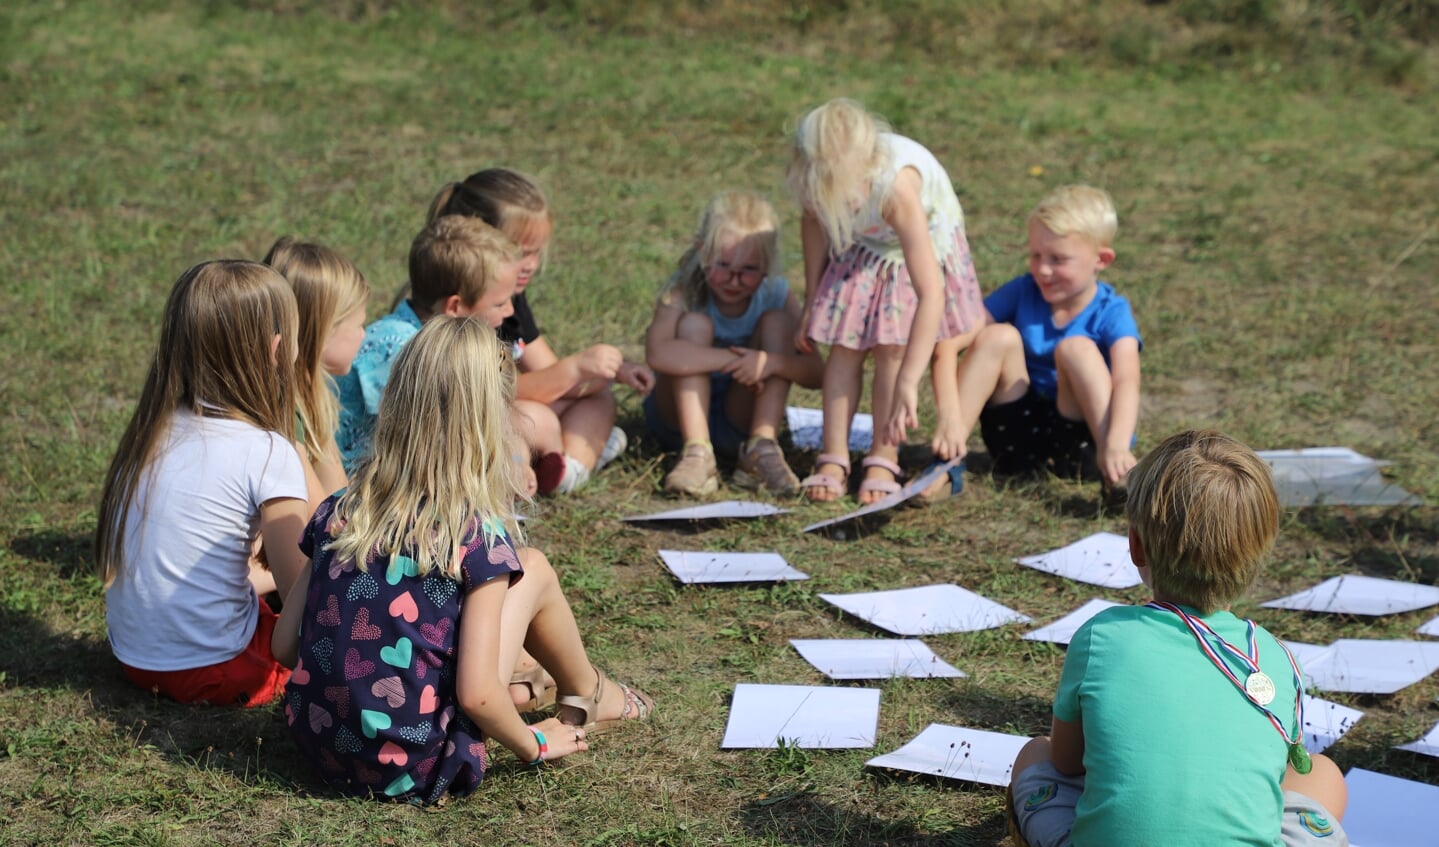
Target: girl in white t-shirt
x=206, y=467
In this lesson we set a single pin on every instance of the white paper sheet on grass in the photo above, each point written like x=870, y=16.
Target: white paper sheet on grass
x=1367, y=666
x=715, y=511
x=1386, y=811
x=1062, y=631
x=691, y=566
x=1326, y=722
x=909, y=491
x=1332, y=476
x=806, y=429
x=957, y=753
x=1359, y=595
x=1101, y=559
x=802, y=716
x=1429, y=627
x=1427, y=746
x=926, y=610
x=1309, y=654
x=873, y=658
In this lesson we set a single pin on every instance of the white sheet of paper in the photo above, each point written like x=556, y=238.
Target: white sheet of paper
x=910, y=490
x=873, y=658
x=806, y=429
x=957, y=753
x=1359, y=595
x=1101, y=559
x=1386, y=811
x=691, y=566
x=1367, y=666
x=1309, y=654
x=926, y=610
x=1429, y=627
x=1427, y=746
x=802, y=715
x=1063, y=630
x=713, y=511
x=1326, y=723
x=1332, y=476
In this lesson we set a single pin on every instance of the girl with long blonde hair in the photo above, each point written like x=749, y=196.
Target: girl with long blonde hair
x=420, y=596
x=204, y=469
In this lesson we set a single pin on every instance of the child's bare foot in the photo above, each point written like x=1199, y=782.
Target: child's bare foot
x=829, y=480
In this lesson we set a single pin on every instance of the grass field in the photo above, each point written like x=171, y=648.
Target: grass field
x=1277, y=200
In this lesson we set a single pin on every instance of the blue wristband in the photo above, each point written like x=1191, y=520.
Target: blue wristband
x=544, y=747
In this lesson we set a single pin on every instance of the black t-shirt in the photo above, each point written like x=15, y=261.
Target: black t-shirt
x=521, y=325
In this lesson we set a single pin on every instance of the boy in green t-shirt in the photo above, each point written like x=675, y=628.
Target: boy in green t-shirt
x=1177, y=723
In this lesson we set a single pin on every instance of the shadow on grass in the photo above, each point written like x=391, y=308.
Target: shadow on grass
x=249, y=744
x=803, y=819
x=1395, y=543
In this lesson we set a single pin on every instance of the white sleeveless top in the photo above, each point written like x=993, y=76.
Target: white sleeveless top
x=936, y=193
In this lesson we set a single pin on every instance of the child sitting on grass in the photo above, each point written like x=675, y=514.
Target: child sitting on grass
x=1053, y=378
x=420, y=596
x=722, y=345
x=1177, y=723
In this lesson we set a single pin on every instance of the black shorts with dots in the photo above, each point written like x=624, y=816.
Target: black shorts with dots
x=1029, y=435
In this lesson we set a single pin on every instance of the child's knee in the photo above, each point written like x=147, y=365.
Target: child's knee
x=537, y=567
x=696, y=327
x=1076, y=349
x=997, y=337
x=537, y=423
x=774, y=327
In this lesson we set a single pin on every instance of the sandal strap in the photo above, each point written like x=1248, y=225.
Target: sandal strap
x=881, y=462
x=832, y=459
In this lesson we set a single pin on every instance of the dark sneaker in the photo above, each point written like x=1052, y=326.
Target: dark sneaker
x=763, y=466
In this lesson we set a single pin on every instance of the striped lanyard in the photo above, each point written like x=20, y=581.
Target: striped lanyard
x=1256, y=687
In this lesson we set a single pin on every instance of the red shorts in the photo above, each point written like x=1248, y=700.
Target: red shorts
x=252, y=678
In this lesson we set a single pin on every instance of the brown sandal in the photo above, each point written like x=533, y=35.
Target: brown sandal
x=638, y=705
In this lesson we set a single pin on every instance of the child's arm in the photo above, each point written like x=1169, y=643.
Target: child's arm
x=905, y=214
x=815, y=244
x=755, y=366
x=285, y=642
x=282, y=522
x=1066, y=750
x=1113, y=454
x=481, y=690
x=671, y=355
x=545, y=377
x=330, y=471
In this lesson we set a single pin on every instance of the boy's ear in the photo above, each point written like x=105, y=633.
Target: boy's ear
x=1106, y=258
x=1136, y=550
x=454, y=306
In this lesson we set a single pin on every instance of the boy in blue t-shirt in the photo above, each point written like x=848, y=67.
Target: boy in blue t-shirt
x=1176, y=722
x=1053, y=376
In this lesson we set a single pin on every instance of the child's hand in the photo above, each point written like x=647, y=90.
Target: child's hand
x=948, y=442
x=802, y=341
x=750, y=369
x=1114, y=463
x=636, y=376
x=599, y=362
x=904, y=413
x=562, y=738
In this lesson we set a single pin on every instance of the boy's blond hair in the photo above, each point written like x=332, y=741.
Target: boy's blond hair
x=1204, y=508
x=454, y=255
x=1079, y=210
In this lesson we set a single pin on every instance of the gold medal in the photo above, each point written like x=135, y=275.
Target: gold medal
x=1260, y=688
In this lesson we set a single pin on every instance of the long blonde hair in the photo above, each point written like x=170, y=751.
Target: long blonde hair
x=730, y=217
x=508, y=200
x=328, y=287
x=440, y=469
x=837, y=156
x=215, y=357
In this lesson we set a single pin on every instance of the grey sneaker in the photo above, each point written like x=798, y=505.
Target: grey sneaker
x=696, y=474
x=763, y=466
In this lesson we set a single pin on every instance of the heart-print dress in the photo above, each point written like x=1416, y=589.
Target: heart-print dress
x=371, y=702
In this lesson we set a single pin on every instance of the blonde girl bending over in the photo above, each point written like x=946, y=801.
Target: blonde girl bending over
x=204, y=468
x=722, y=346
x=420, y=597
x=331, y=294
x=887, y=272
